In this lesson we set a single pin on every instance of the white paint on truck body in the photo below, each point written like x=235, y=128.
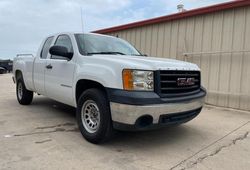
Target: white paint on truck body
x=60, y=82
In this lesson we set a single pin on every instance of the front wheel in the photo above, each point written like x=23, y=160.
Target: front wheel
x=93, y=116
x=24, y=96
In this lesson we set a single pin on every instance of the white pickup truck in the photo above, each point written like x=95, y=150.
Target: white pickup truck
x=112, y=85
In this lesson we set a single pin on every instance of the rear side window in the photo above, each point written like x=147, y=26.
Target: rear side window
x=46, y=47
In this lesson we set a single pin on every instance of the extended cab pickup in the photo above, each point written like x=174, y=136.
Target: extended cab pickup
x=110, y=83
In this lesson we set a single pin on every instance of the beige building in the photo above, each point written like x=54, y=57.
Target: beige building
x=217, y=38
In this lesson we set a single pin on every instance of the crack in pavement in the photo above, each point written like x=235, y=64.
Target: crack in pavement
x=211, y=144
x=200, y=159
x=51, y=131
x=43, y=141
x=54, y=126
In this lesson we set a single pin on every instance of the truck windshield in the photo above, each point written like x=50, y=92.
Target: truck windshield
x=91, y=44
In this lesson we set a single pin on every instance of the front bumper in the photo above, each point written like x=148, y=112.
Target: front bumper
x=127, y=116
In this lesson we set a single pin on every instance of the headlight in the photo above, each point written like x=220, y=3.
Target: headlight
x=138, y=80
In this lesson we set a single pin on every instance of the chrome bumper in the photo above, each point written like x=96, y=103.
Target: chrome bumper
x=128, y=114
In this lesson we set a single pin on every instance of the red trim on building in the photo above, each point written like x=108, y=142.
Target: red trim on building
x=189, y=13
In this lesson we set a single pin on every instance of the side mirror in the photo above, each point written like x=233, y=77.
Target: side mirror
x=60, y=51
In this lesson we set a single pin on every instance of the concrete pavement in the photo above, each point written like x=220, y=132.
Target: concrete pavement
x=44, y=135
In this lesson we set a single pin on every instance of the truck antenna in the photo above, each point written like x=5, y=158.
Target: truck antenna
x=82, y=20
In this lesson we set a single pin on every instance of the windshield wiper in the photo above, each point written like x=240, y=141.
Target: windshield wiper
x=108, y=52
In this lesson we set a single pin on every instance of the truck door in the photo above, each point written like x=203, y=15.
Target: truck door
x=59, y=74
x=39, y=66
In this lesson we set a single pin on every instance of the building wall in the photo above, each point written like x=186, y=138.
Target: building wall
x=225, y=75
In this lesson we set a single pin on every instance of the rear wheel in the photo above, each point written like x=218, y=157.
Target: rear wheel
x=24, y=96
x=93, y=116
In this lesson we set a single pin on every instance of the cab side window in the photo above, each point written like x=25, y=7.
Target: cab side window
x=46, y=46
x=63, y=40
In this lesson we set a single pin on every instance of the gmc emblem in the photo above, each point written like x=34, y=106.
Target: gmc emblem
x=185, y=81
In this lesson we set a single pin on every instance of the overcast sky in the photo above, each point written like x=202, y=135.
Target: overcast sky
x=24, y=23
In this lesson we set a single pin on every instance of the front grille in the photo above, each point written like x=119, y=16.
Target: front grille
x=169, y=82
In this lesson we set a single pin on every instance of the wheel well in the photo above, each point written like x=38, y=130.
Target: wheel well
x=83, y=85
x=18, y=74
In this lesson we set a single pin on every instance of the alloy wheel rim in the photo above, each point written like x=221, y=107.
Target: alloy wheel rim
x=90, y=115
x=20, y=90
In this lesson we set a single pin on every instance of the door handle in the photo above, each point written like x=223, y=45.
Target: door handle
x=49, y=66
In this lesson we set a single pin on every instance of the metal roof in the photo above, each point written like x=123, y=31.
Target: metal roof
x=180, y=15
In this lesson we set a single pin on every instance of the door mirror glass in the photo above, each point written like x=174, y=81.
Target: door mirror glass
x=60, y=51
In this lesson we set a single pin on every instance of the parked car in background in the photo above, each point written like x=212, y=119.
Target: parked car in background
x=112, y=85
x=2, y=70
x=7, y=65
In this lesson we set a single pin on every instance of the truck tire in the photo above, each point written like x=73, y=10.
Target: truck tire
x=93, y=116
x=24, y=96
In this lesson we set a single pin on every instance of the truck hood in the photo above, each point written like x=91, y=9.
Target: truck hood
x=147, y=63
